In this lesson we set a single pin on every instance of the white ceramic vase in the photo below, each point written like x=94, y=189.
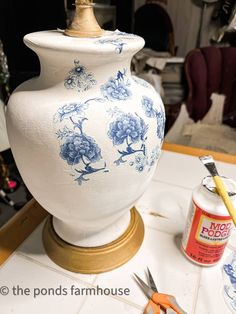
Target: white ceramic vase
x=86, y=134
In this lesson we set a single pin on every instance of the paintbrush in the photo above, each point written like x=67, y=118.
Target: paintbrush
x=209, y=163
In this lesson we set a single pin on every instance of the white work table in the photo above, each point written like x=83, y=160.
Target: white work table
x=164, y=207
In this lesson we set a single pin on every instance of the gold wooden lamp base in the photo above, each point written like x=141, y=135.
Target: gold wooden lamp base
x=94, y=260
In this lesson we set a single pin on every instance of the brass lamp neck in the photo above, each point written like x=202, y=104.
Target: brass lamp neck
x=84, y=23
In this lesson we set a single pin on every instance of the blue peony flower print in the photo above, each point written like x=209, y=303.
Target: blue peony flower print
x=115, y=91
x=127, y=127
x=80, y=147
x=79, y=78
x=151, y=112
x=77, y=147
x=147, y=104
x=117, y=88
x=69, y=110
x=129, y=130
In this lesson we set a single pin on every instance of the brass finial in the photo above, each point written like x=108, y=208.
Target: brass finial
x=84, y=23
x=86, y=2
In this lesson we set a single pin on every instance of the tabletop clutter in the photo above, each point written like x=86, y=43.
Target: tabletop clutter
x=158, y=301
x=210, y=221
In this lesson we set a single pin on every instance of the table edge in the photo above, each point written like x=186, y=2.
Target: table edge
x=194, y=151
x=19, y=227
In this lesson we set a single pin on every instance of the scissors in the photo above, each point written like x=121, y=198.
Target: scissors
x=158, y=301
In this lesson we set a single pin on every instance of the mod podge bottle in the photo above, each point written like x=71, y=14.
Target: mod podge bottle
x=209, y=224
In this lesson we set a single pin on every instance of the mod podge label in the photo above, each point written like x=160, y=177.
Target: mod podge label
x=206, y=236
x=212, y=231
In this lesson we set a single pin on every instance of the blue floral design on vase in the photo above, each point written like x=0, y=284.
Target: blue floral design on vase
x=117, y=88
x=117, y=42
x=231, y=272
x=151, y=112
x=78, y=148
x=79, y=78
x=154, y=156
x=129, y=130
x=70, y=110
x=119, y=33
x=140, y=162
x=229, y=269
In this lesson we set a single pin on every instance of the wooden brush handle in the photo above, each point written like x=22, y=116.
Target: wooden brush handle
x=225, y=197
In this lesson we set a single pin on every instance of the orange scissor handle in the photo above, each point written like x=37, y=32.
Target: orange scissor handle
x=152, y=308
x=167, y=301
